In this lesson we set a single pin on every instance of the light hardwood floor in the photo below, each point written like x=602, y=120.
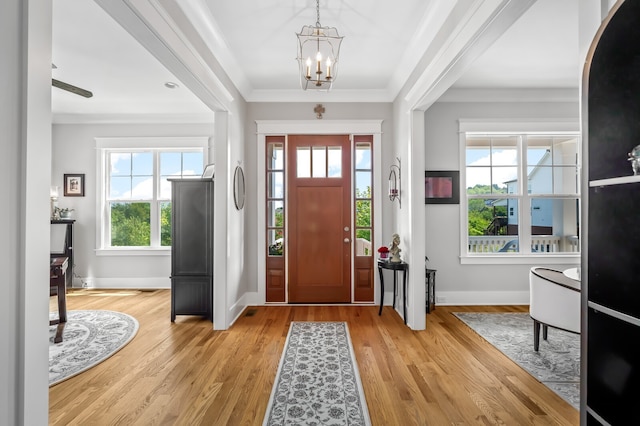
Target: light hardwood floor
x=184, y=373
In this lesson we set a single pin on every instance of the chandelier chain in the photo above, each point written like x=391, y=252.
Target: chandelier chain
x=318, y=13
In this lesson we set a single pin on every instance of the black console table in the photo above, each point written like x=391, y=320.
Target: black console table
x=395, y=267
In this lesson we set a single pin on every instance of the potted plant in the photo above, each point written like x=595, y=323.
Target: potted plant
x=384, y=252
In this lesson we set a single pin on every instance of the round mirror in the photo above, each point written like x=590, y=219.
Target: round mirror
x=238, y=188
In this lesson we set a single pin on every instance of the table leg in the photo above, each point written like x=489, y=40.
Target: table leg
x=395, y=287
x=381, y=290
x=404, y=294
x=61, y=289
x=62, y=298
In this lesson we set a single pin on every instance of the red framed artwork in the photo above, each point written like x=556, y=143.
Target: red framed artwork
x=442, y=187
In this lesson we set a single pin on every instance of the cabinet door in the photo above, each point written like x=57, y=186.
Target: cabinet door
x=613, y=378
x=191, y=295
x=192, y=228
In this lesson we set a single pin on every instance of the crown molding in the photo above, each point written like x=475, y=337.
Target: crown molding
x=570, y=94
x=168, y=118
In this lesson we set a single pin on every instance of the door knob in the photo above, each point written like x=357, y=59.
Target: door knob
x=346, y=229
x=346, y=240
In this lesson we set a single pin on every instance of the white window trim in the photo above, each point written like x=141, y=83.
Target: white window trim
x=551, y=126
x=132, y=143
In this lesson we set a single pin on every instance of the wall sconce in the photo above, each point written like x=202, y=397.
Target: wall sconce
x=394, y=182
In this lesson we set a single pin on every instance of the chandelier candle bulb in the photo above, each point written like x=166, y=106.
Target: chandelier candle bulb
x=328, y=68
x=308, y=67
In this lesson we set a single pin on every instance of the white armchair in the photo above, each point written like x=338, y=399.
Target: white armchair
x=554, y=301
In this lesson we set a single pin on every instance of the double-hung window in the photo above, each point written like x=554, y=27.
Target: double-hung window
x=522, y=193
x=135, y=208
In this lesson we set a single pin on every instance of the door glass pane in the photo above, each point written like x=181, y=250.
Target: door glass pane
x=363, y=184
x=275, y=239
x=275, y=184
x=335, y=161
x=303, y=160
x=275, y=156
x=363, y=155
x=363, y=242
x=319, y=158
x=363, y=213
x=555, y=225
x=275, y=214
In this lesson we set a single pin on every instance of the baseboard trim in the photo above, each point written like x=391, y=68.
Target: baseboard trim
x=147, y=283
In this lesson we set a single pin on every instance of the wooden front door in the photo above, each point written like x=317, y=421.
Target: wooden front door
x=319, y=194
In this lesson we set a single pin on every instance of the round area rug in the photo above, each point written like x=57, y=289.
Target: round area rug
x=89, y=338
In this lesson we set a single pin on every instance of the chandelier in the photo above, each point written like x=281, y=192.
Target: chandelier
x=318, y=50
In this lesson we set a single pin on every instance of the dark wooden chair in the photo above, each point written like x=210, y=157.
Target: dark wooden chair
x=58, y=287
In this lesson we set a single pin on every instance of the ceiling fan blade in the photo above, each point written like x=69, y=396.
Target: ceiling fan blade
x=69, y=88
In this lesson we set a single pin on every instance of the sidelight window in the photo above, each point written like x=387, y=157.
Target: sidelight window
x=363, y=196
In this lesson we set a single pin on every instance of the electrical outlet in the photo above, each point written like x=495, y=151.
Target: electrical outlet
x=441, y=299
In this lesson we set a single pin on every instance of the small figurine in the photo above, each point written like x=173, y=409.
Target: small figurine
x=394, y=249
x=634, y=157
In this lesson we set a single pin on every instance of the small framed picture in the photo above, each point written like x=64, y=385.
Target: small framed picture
x=74, y=185
x=442, y=187
x=208, y=171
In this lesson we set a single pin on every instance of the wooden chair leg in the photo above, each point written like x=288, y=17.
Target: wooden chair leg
x=59, y=331
x=536, y=335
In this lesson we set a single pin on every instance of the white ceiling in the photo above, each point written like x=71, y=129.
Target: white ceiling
x=255, y=43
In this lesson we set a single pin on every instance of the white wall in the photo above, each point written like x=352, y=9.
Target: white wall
x=74, y=152
x=474, y=284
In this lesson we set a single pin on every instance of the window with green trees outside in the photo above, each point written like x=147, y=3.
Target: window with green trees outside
x=138, y=194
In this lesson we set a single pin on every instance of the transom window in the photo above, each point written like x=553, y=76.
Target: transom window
x=136, y=207
x=522, y=193
x=319, y=162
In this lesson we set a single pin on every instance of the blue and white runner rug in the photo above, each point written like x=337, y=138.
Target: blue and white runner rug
x=317, y=382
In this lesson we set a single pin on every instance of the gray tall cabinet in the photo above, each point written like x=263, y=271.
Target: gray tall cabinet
x=192, y=210
x=610, y=379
